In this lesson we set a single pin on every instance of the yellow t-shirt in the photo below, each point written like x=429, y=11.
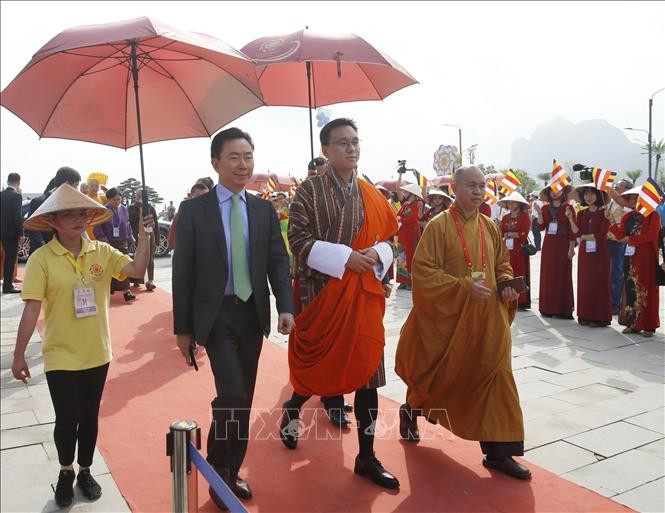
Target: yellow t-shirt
x=72, y=343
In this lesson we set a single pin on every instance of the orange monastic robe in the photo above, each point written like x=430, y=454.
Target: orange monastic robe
x=454, y=352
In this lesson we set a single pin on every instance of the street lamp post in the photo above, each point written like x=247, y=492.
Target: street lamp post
x=649, y=139
x=460, y=139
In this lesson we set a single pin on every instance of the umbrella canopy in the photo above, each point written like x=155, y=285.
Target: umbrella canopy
x=310, y=69
x=283, y=183
x=344, y=68
x=391, y=185
x=80, y=85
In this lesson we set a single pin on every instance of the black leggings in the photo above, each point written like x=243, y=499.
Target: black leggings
x=365, y=406
x=76, y=396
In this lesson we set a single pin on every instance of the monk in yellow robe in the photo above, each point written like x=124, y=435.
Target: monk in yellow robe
x=454, y=351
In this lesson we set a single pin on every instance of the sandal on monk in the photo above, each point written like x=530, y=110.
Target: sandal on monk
x=647, y=333
x=628, y=330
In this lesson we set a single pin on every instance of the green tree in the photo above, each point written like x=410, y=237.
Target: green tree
x=545, y=177
x=657, y=150
x=487, y=169
x=129, y=187
x=634, y=174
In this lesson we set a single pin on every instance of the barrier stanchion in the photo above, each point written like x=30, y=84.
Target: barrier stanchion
x=184, y=478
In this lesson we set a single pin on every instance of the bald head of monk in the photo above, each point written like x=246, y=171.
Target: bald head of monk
x=469, y=189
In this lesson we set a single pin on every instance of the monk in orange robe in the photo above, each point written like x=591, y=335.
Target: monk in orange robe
x=454, y=351
x=338, y=231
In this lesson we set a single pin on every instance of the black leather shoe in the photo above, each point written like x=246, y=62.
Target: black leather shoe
x=408, y=425
x=373, y=469
x=240, y=488
x=508, y=466
x=347, y=407
x=64, y=490
x=288, y=429
x=217, y=500
x=11, y=290
x=338, y=417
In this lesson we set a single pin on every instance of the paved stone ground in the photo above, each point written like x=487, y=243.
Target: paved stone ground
x=593, y=403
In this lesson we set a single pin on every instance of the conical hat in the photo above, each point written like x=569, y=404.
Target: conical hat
x=513, y=196
x=414, y=189
x=634, y=190
x=578, y=192
x=438, y=192
x=66, y=197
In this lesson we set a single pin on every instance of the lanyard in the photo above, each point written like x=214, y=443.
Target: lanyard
x=467, y=256
x=76, y=266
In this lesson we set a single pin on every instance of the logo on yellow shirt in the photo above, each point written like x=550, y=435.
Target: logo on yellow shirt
x=96, y=272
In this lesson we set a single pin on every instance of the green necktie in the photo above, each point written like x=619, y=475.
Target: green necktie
x=241, y=281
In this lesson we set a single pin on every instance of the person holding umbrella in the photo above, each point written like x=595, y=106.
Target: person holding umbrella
x=71, y=276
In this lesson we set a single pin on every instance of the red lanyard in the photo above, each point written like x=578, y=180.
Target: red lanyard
x=467, y=256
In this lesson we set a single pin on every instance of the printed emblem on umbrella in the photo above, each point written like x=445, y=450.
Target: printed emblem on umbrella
x=444, y=160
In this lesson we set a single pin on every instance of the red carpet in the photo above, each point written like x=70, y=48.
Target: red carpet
x=150, y=386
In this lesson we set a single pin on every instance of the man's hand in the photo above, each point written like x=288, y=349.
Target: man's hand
x=479, y=290
x=184, y=343
x=387, y=289
x=286, y=323
x=509, y=294
x=20, y=369
x=371, y=252
x=359, y=263
x=21, y=239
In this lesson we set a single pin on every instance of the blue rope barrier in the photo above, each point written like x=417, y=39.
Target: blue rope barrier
x=218, y=485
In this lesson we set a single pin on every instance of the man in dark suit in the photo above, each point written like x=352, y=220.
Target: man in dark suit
x=11, y=229
x=229, y=246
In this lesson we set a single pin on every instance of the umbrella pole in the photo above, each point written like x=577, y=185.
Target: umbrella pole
x=135, y=76
x=309, y=97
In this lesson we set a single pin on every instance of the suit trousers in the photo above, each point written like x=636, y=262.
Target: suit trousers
x=10, y=250
x=233, y=348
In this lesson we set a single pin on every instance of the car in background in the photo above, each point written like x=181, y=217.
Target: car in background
x=26, y=248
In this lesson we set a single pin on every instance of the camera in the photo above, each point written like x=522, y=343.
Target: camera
x=585, y=172
x=402, y=166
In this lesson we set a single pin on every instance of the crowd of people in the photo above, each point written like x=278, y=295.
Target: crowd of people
x=328, y=251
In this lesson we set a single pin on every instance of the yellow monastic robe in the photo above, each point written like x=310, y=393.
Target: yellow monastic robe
x=454, y=352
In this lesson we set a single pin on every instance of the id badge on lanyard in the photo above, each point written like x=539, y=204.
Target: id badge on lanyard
x=510, y=244
x=116, y=232
x=84, y=295
x=630, y=250
x=590, y=246
x=552, y=228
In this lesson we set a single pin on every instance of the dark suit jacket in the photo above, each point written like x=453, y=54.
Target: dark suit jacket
x=11, y=223
x=200, y=265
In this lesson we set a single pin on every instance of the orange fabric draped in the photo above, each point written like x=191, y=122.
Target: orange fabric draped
x=338, y=340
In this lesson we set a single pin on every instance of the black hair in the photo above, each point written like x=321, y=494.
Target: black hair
x=199, y=186
x=317, y=161
x=50, y=186
x=66, y=175
x=207, y=181
x=599, y=197
x=13, y=178
x=324, y=136
x=227, y=135
x=112, y=193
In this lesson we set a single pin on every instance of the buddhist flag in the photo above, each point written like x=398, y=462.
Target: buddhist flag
x=510, y=183
x=603, y=178
x=560, y=178
x=422, y=181
x=272, y=185
x=490, y=193
x=649, y=198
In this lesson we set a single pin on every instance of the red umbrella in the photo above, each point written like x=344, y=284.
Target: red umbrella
x=283, y=183
x=309, y=69
x=79, y=85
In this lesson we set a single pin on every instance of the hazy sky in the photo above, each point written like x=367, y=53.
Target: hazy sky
x=497, y=69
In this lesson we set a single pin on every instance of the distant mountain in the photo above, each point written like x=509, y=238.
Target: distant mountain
x=595, y=143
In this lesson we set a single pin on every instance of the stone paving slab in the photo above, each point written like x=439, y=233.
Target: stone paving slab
x=614, y=438
x=648, y=498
